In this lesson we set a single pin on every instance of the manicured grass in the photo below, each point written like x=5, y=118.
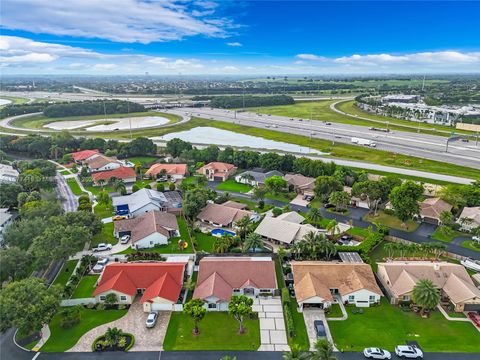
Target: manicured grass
x=172, y=246
x=144, y=160
x=104, y=236
x=218, y=331
x=233, y=186
x=204, y=242
x=388, y=326
x=391, y=221
x=445, y=234
x=63, y=339
x=356, y=231
x=72, y=183
x=283, y=197
x=103, y=210
x=65, y=273
x=253, y=205
x=95, y=190
x=85, y=287
x=65, y=172
x=469, y=244
x=335, y=311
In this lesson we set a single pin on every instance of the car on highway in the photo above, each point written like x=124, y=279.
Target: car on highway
x=151, y=319
x=320, y=329
x=408, y=352
x=274, y=126
x=102, y=247
x=376, y=353
x=124, y=239
x=328, y=123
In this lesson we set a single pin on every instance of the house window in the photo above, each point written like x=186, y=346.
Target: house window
x=212, y=306
x=151, y=242
x=102, y=297
x=351, y=298
x=406, y=298
x=236, y=291
x=371, y=298
x=265, y=290
x=123, y=298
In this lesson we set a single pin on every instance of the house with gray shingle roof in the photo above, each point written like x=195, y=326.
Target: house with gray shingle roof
x=256, y=177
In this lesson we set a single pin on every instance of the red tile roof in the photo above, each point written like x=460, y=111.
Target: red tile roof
x=158, y=279
x=218, y=276
x=120, y=173
x=84, y=154
x=171, y=169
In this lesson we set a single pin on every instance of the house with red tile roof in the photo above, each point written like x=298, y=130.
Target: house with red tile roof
x=172, y=172
x=220, y=278
x=147, y=230
x=217, y=171
x=126, y=174
x=81, y=156
x=158, y=285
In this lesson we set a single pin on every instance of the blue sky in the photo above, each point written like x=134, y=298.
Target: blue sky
x=236, y=38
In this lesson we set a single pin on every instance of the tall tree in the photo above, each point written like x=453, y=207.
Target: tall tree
x=425, y=294
x=340, y=199
x=240, y=307
x=323, y=350
x=196, y=310
x=325, y=185
x=276, y=184
x=404, y=199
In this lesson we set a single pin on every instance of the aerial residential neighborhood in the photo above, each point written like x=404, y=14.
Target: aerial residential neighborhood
x=239, y=180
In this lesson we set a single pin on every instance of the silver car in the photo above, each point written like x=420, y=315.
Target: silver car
x=376, y=353
x=408, y=352
x=151, y=319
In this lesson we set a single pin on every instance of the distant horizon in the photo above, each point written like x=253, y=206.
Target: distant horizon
x=241, y=37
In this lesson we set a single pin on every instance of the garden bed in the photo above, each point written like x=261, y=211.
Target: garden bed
x=100, y=344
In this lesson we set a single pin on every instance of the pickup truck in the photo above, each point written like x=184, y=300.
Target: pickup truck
x=102, y=247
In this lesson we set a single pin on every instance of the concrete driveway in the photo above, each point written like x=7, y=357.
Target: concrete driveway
x=310, y=315
x=134, y=323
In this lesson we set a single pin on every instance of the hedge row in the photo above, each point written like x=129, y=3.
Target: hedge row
x=289, y=321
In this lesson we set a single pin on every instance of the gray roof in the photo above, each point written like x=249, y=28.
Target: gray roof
x=260, y=176
x=8, y=173
x=283, y=230
x=139, y=199
x=5, y=216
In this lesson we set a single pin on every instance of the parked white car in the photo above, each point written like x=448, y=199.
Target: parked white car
x=124, y=239
x=376, y=353
x=102, y=261
x=151, y=319
x=408, y=352
x=102, y=247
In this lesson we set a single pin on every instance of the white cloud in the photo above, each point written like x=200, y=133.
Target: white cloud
x=230, y=68
x=104, y=66
x=129, y=21
x=425, y=58
x=311, y=57
x=234, y=44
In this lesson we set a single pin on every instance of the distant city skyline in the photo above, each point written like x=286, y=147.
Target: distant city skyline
x=170, y=37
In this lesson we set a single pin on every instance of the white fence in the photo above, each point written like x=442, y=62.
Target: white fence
x=177, y=307
x=74, y=302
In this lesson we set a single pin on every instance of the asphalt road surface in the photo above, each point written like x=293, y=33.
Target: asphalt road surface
x=69, y=201
x=408, y=143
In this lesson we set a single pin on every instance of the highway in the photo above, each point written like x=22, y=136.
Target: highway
x=407, y=143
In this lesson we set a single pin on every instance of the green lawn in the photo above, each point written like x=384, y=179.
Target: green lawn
x=233, y=186
x=103, y=211
x=391, y=221
x=72, y=183
x=95, y=190
x=65, y=273
x=335, y=311
x=204, y=242
x=388, y=326
x=104, y=236
x=63, y=339
x=356, y=231
x=172, y=247
x=445, y=234
x=65, y=172
x=85, y=287
x=283, y=197
x=218, y=331
x=469, y=244
x=144, y=160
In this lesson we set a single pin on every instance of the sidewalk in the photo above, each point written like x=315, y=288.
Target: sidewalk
x=45, y=336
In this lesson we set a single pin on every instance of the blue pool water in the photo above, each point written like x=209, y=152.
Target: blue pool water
x=221, y=232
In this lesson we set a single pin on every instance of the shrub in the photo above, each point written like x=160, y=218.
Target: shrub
x=289, y=321
x=111, y=299
x=171, y=187
x=365, y=246
x=69, y=316
x=135, y=188
x=131, y=343
x=389, y=212
x=100, y=306
x=277, y=211
x=285, y=296
x=160, y=187
x=122, y=307
x=148, y=186
x=261, y=204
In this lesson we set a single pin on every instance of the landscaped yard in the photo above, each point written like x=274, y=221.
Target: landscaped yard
x=85, y=287
x=65, y=172
x=63, y=339
x=445, y=234
x=218, y=331
x=204, y=242
x=104, y=236
x=335, y=311
x=95, y=190
x=65, y=273
x=356, y=231
x=232, y=186
x=388, y=326
x=72, y=183
x=391, y=221
x=470, y=244
x=144, y=160
x=103, y=211
x=172, y=247
x=283, y=197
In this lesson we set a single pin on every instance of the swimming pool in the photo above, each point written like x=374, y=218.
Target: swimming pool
x=221, y=232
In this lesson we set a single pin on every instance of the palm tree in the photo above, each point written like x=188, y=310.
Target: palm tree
x=222, y=244
x=242, y=226
x=389, y=247
x=112, y=335
x=315, y=215
x=323, y=351
x=296, y=354
x=425, y=295
x=329, y=248
x=252, y=241
x=333, y=229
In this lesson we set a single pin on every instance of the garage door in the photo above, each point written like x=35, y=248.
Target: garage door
x=161, y=307
x=471, y=307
